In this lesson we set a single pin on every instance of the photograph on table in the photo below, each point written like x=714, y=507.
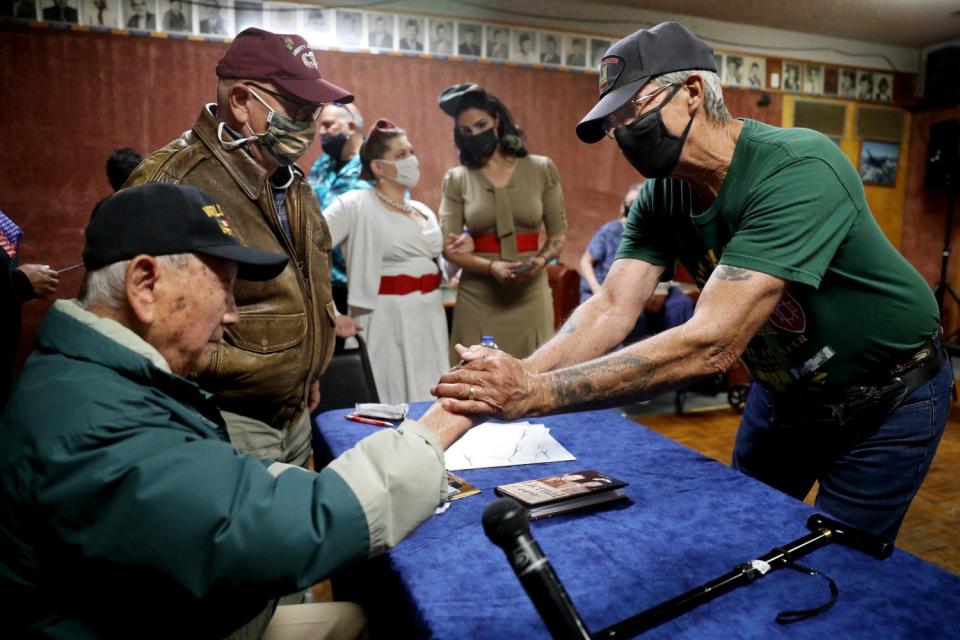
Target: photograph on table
x=176, y=16
x=381, y=30
x=878, y=163
x=756, y=72
x=865, y=86
x=440, y=37
x=733, y=72
x=813, y=79
x=248, y=14
x=282, y=17
x=469, y=39
x=217, y=15
x=102, y=13
x=525, y=46
x=847, y=87
x=317, y=26
x=551, y=48
x=575, y=48
x=140, y=15
x=883, y=87
x=498, y=42
x=411, y=34
x=791, y=76
x=598, y=47
x=349, y=25
x=58, y=11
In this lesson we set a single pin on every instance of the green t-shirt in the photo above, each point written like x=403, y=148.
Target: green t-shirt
x=792, y=206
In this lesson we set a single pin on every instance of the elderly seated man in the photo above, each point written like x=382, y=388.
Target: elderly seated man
x=125, y=511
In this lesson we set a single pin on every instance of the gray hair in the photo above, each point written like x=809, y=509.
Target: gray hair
x=712, y=92
x=107, y=286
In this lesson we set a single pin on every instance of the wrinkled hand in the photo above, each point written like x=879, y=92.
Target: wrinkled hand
x=501, y=386
x=346, y=327
x=460, y=244
x=314, y=400
x=43, y=279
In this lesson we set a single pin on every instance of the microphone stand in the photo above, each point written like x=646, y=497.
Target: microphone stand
x=943, y=287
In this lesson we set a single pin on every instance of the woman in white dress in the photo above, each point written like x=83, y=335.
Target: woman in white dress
x=392, y=244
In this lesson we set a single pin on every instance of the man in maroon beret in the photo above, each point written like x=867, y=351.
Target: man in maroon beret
x=242, y=151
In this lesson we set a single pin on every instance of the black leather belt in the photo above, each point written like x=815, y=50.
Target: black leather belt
x=862, y=401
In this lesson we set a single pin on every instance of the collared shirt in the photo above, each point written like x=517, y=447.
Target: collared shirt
x=329, y=181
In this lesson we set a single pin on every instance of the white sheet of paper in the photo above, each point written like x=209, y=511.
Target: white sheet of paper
x=493, y=444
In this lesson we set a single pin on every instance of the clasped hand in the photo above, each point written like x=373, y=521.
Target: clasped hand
x=489, y=382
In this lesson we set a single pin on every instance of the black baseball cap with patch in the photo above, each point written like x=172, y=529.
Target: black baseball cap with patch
x=161, y=219
x=629, y=63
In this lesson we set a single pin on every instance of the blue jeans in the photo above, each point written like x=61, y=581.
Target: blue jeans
x=868, y=484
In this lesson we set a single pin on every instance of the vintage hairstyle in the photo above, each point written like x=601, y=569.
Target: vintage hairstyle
x=510, y=135
x=376, y=145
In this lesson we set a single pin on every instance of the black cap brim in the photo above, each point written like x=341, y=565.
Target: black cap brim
x=252, y=264
x=590, y=128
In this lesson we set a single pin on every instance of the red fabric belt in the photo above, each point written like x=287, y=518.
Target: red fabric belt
x=402, y=285
x=489, y=243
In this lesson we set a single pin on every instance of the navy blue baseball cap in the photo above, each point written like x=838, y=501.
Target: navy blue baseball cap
x=630, y=62
x=161, y=219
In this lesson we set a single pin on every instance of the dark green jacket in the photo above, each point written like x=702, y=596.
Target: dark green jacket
x=126, y=512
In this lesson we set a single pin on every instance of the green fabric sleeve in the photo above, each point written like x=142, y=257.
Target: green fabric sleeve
x=646, y=235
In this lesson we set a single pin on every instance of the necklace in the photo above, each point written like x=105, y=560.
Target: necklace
x=404, y=206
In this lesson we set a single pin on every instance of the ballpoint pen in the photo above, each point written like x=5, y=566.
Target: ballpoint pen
x=378, y=423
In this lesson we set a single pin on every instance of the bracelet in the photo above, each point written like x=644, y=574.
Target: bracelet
x=490, y=267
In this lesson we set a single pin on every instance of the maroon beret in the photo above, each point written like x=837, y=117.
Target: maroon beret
x=285, y=59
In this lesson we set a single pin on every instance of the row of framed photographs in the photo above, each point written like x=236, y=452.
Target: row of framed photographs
x=321, y=27
x=810, y=78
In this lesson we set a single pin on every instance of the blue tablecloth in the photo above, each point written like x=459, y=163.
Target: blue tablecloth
x=690, y=519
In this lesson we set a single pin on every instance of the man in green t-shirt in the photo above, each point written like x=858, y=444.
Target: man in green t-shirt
x=839, y=331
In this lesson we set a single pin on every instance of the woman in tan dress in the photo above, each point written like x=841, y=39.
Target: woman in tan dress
x=502, y=195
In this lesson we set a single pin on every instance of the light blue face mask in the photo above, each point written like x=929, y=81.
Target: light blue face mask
x=285, y=139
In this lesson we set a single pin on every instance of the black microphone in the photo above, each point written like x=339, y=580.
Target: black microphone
x=507, y=524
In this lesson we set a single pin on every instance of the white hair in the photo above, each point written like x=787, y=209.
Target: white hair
x=712, y=92
x=107, y=286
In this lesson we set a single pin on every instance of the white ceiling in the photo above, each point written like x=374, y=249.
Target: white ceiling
x=909, y=23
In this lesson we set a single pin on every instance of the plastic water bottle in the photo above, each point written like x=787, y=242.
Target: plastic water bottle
x=487, y=341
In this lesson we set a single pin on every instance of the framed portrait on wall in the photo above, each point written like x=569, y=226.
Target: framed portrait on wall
x=411, y=34
x=865, y=86
x=25, y=9
x=140, y=14
x=469, y=39
x=831, y=80
x=575, y=51
x=103, y=13
x=249, y=14
x=281, y=17
x=525, y=46
x=756, y=72
x=551, y=48
x=317, y=26
x=791, y=76
x=440, y=37
x=498, y=42
x=215, y=17
x=598, y=47
x=733, y=73
x=878, y=163
x=847, y=86
x=58, y=11
x=349, y=25
x=883, y=87
x=381, y=30
x=176, y=16
x=718, y=60
x=813, y=79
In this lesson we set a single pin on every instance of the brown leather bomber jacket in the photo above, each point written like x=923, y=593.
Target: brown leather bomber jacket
x=265, y=364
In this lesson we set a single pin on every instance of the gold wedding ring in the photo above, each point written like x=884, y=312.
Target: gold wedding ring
x=470, y=392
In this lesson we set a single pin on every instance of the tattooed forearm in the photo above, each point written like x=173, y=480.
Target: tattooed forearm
x=724, y=272
x=607, y=382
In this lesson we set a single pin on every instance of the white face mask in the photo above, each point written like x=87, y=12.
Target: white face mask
x=408, y=171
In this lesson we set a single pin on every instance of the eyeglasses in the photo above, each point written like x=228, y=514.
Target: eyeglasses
x=629, y=112
x=302, y=111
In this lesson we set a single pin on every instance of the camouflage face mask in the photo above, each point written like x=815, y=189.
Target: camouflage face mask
x=285, y=139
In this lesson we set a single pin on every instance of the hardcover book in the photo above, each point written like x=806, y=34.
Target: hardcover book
x=457, y=487
x=563, y=493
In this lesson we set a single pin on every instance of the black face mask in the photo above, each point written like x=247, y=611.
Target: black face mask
x=647, y=144
x=479, y=147
x=333, y=144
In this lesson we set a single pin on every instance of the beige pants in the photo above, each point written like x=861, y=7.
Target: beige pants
x=290, y=445
x=314, y=621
